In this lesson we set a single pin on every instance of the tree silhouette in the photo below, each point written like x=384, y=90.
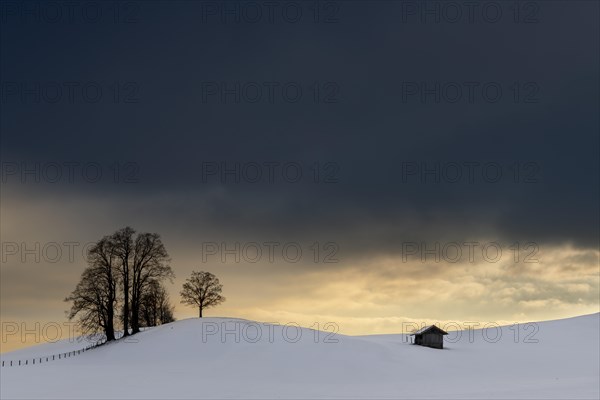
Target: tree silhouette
x=95, y=297
x=134, y=264
x=150, y=260
x=203, y=290
x=123, y=242
x=155, y=307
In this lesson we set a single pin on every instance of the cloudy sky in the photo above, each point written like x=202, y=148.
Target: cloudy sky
x=361, y=163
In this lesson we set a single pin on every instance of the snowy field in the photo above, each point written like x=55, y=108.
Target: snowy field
x=191, y=359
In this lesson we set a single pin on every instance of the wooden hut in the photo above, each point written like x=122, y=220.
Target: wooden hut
x=430, y=336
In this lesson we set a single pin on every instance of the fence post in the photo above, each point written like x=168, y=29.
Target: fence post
x=26, y=362
x=11, y=363
x=19, y=362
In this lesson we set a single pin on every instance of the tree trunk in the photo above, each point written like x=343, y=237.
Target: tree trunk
x=135, y=317
x=200, y=313
x=126, y=306
x=110, y=310
x=135, y=305
x=110, y=328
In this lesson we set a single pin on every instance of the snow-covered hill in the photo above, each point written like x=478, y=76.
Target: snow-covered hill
x=192, y=359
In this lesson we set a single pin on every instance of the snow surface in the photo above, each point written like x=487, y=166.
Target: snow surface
x=184, y=360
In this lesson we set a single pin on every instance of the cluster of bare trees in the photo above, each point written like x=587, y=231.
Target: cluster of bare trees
x=155, y=308
x=123, y=284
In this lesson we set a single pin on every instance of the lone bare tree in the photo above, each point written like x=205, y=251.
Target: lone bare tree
x=203, y=290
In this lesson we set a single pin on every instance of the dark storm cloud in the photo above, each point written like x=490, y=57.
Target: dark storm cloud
x=367, y=135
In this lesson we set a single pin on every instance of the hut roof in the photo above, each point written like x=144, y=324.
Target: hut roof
x=429, y=328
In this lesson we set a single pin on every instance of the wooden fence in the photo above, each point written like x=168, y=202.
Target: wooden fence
x=54, y=357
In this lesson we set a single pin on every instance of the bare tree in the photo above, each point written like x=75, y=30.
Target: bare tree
x=123, y=244
x=203, y=290
x=166, y=311
x=135, y=264
x=155, y=307
x=95, y=297
x=149, y=265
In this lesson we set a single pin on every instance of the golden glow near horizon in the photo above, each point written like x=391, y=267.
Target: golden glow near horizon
x=380, y=296
x=364, y=293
